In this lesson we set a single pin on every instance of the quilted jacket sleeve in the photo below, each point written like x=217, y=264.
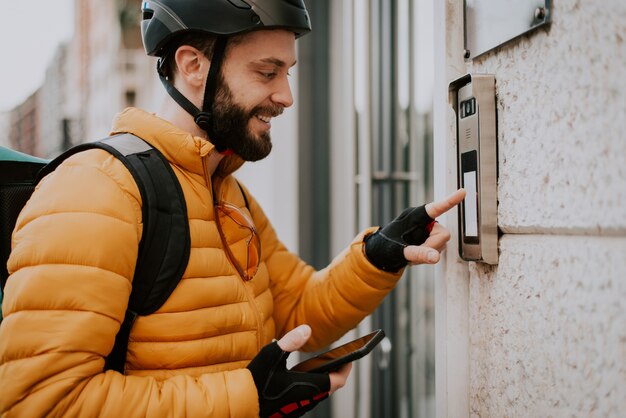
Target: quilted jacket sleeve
x=333, y=300
x=74, y=253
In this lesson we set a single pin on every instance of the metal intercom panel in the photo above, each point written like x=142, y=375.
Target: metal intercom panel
x=474, y=102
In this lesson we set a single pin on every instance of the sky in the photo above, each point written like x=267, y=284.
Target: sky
x=30, y=31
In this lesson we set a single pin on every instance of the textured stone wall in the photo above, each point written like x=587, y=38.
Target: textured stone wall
x=547, y=325
x=548, y=333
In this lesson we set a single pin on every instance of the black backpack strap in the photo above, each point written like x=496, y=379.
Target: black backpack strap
x=165, y=242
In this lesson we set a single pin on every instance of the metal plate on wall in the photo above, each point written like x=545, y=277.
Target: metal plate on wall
x=490, y=23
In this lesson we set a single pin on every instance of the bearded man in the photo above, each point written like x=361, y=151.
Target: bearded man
x=208, y=351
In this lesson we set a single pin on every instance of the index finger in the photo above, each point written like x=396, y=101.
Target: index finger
x=436, y=209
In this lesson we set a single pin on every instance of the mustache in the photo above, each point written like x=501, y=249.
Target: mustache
x=270, y=110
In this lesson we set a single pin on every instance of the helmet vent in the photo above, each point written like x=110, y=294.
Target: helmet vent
x=147, y=14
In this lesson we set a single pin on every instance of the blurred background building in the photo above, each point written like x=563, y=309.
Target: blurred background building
x=4, y=129
x=542, y=333
x=99, y=72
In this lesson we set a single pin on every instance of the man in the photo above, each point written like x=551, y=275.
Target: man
x=208, y=351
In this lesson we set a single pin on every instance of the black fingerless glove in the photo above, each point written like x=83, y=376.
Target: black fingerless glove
x=385, y=247
x=283, y=393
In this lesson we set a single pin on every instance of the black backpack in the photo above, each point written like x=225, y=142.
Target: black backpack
x=165, y=243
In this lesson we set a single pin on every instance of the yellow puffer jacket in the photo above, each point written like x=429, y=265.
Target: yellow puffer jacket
x=74, y=253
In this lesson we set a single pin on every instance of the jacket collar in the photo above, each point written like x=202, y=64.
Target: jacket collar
x=179, y=147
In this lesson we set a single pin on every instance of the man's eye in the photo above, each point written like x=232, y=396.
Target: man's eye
x=268, y=75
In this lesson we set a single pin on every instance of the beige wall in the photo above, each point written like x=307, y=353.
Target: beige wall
x=546, y=328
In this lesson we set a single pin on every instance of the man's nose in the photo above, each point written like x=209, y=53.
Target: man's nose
x=282, y=95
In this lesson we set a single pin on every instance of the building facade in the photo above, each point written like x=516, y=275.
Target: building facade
x=4, y=129
x=102, y=70
x=25, y=126
x=542, y=332
x=115, y=70
x=55, y=120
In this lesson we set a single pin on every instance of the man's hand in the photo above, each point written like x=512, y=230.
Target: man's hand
x=429, y=252
x=413, y=237
x=296, y=338
x=284, y=393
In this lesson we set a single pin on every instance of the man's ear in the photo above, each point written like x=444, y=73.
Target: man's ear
x=192, y=65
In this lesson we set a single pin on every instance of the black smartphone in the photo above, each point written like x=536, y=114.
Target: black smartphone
x=333, y=359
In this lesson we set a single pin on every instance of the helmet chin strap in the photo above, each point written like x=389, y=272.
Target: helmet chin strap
x=204, y=117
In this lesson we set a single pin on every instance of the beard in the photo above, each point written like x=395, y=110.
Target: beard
x=230, y=125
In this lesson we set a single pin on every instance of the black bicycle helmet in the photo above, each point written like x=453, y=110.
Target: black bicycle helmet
x=165, y=19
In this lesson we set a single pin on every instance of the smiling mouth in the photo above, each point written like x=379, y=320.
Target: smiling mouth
x=264, y=119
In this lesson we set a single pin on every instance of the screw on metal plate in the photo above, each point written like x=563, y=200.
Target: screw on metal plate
x=540, y=13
